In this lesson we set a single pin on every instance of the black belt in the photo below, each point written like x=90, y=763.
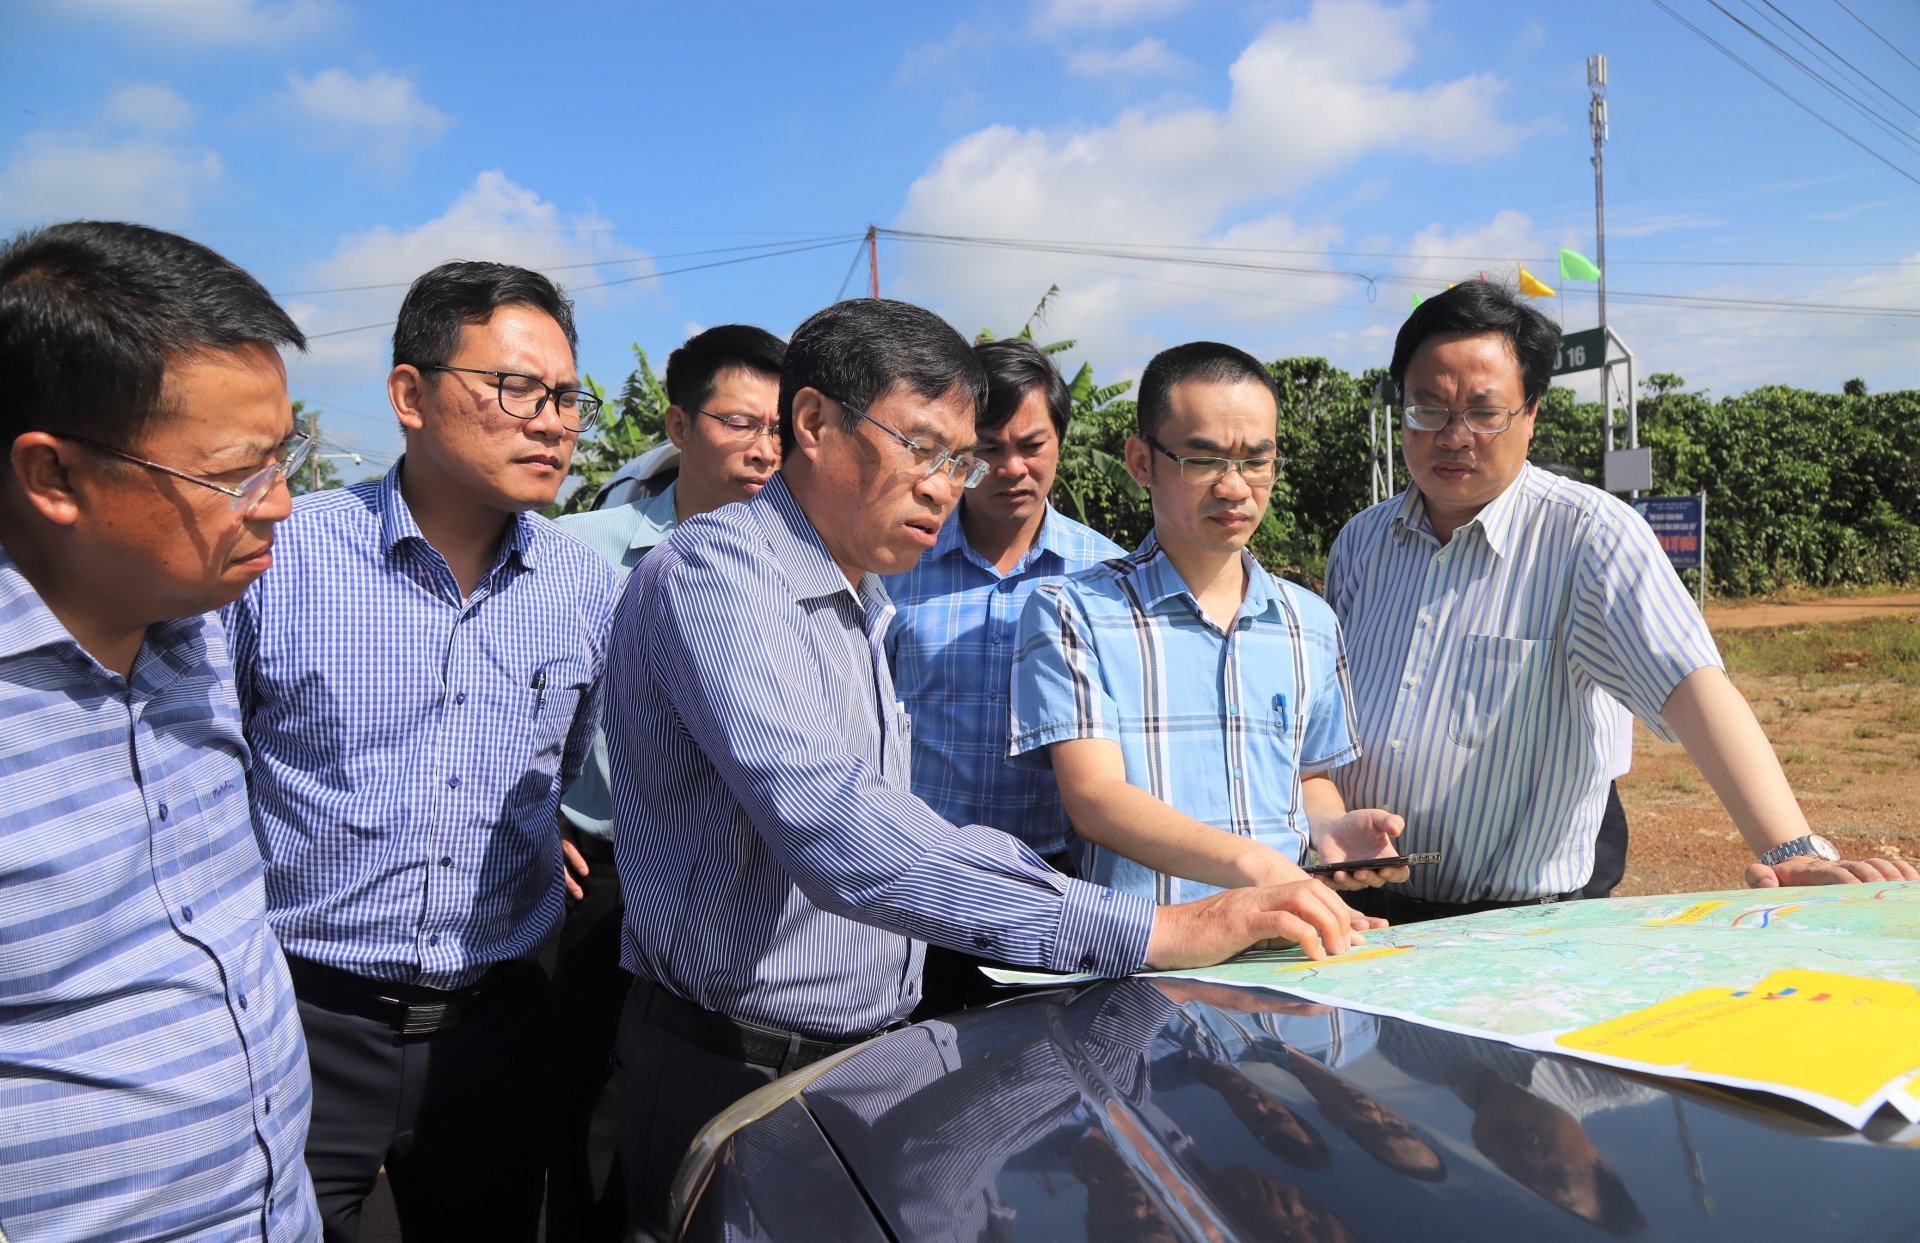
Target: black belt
x=409, y=1009
x=743, y=1042
x=1400, y=909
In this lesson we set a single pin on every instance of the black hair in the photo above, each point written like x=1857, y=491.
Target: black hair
x=1207, y=362
x=1016, y=367
x=93, y=312
x=857, y=350
x=468, y=291
x=692, y=368
x=1482, y=308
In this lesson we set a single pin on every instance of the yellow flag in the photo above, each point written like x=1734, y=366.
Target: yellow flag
x=1530, y=285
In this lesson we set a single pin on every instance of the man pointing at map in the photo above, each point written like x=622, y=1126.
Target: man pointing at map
x=1491, y=609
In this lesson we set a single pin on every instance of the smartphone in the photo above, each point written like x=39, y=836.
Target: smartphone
x=1361, y=865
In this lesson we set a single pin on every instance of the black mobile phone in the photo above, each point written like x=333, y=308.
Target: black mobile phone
x=1360, y=865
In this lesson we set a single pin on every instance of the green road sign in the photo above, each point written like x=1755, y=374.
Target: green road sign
x=1581, y=351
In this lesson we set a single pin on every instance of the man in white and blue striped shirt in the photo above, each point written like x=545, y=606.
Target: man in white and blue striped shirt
x=779, y=878
x=1491, y=609
x=153, y=1079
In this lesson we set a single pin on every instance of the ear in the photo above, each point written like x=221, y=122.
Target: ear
x=679, y=426
x=1139, y=455
x=45, y=467
x=810, y=417
x=406, y=390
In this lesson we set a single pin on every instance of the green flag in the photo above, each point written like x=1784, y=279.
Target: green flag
x=1417, y=300
x=1575, y=266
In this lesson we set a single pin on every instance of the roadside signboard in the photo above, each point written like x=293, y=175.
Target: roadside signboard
x=1581, y=351
x=1680, y=524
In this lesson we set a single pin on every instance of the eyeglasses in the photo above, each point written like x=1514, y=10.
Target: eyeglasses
x=1480, y=420
x=929, y=457
x=1257, y=471
x=524, y=397
x=252, y=490
x=745, y=426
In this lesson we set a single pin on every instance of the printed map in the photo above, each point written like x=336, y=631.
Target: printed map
x=1812, y=993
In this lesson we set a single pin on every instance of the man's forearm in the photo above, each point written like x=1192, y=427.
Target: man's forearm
x=1713, y=722
x=1131, y=822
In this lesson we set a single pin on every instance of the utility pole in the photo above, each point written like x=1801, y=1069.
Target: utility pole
x=873, y=260
x=313, y=455
x=1597, y=117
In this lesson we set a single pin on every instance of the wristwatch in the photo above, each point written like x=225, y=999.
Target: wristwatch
x=1807, y=844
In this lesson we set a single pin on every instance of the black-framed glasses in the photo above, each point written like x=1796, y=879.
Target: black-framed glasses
x=525, y=396
x=1257, y=471
x=1480, y=420
x=928, y=456
x=745, y=426
x=247, y=496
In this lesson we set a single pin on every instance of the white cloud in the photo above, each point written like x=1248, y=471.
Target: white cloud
x=1309, y=97
x=493, y=219
x=212, y=23
x=1149, y=58
x=151, y=106
x=56, y=175
x=1053, y=16
x=380, y=116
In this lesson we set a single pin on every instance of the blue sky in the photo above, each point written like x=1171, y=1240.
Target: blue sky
x=337, y=149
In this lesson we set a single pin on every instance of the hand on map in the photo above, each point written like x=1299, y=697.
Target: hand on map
x=1365, y=833
x=1215, y=928
x=1807, y=870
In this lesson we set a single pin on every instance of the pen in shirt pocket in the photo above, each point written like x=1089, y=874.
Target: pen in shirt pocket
x=539, y=689
x=1280, y=710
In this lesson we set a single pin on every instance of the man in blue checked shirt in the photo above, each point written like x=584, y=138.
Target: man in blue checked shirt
x=724, y=386
x=951, y=642
x=421, y=681
x=153, y=1079
x=779, y=877
x=1493, y=609
x=1189, y=703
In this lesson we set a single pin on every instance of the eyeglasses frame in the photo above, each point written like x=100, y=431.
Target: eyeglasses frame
x=303, y=443
x=947, y=459
x=581, y=423
x=1236, y=465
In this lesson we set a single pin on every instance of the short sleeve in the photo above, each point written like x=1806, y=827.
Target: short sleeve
x=1057, y=694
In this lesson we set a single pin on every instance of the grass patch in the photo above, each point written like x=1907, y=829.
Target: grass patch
x=1864, y=730
x=1870, y=650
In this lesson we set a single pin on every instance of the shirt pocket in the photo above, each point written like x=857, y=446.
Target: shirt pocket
x=1498, y=680
x=553, y=697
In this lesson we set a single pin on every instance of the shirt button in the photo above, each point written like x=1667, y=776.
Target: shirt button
x=163, y=811
x=996, y=636
x=243, y=1001
x=446, y=861
x=1395, y=744
x=453, y=783
x=186, y=913
x=268, y=1105
x=1426, y=619
x=460, y=697
x=981, y=943
x=434, y=939
x=1408, y=682
x=1089, y=962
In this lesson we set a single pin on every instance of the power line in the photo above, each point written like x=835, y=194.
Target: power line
x=1876, y=34
x=625, y=280
x=1735, y=58
x=1858, y=72
x=1872, y=114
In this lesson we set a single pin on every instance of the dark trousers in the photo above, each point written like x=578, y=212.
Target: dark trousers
x=1610, y=848
x=586, y=1196
x=457, y=1117
x=669, y=1089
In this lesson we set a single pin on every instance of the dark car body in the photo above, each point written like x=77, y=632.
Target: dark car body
x=1170, y=1109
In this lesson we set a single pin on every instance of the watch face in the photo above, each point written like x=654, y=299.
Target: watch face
x=1820, y=848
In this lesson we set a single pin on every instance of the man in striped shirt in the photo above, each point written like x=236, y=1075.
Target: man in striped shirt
x=1490, y=611
x=951, y=643
x=1190, y=704
x=153, y=1079
x=779, y=878
x=420, y=682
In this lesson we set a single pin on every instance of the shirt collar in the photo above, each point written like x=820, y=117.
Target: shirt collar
x=1051, y=540
x=397, y=524
x=657, y=517
x=27, y=625
x=797, y=547
x=1497, y=519
x=1160, y=581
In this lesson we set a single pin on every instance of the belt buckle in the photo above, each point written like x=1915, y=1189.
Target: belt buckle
x=425, y=1018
